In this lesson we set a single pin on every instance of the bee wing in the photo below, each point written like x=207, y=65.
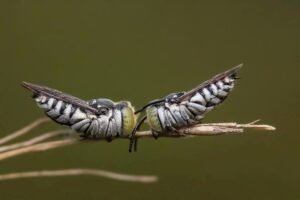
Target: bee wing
x=38, y=89
x=216, y=78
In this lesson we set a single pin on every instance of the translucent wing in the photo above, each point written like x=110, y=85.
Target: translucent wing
x=38, y=89
x=215, y=79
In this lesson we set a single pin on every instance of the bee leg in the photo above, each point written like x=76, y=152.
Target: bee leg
x=131, y=142
x=173, y=130
x=155, y=134
x=108, y=139
x=132, y=137
x=109, y=136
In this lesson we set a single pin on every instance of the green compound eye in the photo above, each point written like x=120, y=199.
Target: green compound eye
x=128, y=120
x=152, y=117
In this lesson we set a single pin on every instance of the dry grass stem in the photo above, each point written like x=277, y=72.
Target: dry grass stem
x=34, y=145
x=78, y=172
x=38, y=144
x=24, y=130
x=38, y=147
x=211, y=129
x=43, y=137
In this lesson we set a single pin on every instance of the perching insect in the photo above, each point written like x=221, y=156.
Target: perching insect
x=96, y=118
x=184, y=109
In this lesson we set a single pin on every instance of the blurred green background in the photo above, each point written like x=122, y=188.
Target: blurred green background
x=142, y=50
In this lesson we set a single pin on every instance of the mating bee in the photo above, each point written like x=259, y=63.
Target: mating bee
x=184, y=109
x=96, y=118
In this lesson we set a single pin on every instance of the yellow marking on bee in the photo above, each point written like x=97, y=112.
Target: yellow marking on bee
x=129, y=119
x=153, y=119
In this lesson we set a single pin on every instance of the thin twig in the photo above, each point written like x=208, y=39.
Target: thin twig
x=34, y=145
x=198, y=130
x=38, y=147
x=24, y=130
x=77, y=172
x=212, y=129
x=40, y=138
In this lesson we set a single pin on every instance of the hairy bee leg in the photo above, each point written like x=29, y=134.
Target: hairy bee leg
x=132, y=137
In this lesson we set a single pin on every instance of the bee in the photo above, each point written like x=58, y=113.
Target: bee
x=96, y=118
x=183, y=109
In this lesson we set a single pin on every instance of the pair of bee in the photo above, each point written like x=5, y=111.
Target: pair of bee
x=103, y=118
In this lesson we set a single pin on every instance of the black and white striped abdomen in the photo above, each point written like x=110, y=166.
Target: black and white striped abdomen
x=211, y=95
x=83, y=121
x=172, y=116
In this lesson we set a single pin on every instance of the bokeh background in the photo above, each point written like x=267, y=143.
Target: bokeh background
x=142, y=50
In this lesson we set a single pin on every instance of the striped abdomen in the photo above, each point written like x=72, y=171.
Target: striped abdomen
x=169, y=116
x=116, y=122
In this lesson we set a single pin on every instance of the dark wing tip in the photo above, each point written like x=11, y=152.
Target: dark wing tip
x=27, y=85
x=235, y=69
x=230, y=72
x=31, y=87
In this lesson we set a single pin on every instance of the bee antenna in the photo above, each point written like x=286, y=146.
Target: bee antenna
x=149, y=104
x=133, y=138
